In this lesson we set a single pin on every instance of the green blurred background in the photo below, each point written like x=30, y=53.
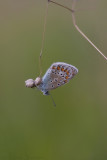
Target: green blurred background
x=30, y=127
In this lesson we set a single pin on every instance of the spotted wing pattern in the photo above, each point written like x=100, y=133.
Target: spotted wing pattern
x=58, y=74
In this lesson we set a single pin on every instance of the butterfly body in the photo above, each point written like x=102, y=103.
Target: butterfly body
x=57, y=75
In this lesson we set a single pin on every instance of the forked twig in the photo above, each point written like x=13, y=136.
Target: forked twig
x=76, y=26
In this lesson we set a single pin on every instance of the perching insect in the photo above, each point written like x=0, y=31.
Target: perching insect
x=57, y=75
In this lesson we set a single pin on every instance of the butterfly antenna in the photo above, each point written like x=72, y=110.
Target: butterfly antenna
x=52, y=100
x=43, y=38
x=76, y=26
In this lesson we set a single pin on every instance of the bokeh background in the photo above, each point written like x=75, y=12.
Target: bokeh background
x=31, y=128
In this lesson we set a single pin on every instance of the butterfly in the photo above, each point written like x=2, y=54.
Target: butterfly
x=57, y=75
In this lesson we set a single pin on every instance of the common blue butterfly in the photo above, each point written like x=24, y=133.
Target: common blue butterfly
x=57, y=75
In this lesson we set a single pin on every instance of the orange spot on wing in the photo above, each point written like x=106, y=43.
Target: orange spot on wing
x=67, y=73
x=58, y=68
x=62, y=69
x=65, y=70
x=66, y=77
x=53, y=67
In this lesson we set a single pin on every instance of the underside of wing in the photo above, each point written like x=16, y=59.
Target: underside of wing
x=58, y=74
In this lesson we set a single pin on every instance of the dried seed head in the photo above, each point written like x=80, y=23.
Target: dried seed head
x=30, y=83
x=38, y=81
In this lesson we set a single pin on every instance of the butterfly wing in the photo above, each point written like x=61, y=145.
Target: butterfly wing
x=58, y=74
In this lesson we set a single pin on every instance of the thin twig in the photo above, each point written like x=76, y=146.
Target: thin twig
x=78, y=29
x=61, y=5
x=43, y=38
x=76, y=26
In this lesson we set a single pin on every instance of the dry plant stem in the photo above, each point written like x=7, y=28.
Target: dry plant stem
x=43, y=38
x=60, y=5
x=76, y=26
x=78, y=29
